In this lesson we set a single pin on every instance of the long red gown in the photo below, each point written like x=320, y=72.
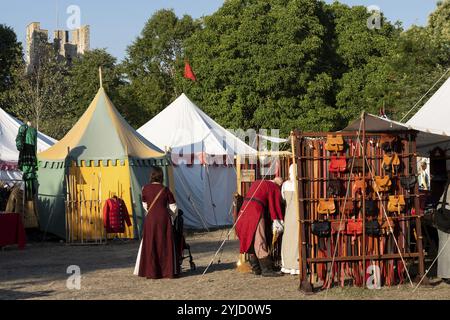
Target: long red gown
x=267, y=193
x=158, y=247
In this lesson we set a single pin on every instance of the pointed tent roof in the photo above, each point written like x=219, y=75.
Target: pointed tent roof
x=102, y=134
x=433, y=116
x=9, y=127
x=183, y=125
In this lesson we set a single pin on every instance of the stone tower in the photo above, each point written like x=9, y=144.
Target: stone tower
x=67, y=49
x=36, y=38
x=81, y=38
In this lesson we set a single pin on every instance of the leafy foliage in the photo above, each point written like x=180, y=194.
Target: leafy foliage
x=259, y=63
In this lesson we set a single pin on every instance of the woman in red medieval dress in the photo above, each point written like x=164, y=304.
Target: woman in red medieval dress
x=156, y=258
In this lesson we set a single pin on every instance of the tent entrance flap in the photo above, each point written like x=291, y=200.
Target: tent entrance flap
x=87, y=190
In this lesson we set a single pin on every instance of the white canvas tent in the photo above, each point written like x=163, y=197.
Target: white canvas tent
x=427, y=138
x=435, y=114
x=203, y=192
x=9, y=155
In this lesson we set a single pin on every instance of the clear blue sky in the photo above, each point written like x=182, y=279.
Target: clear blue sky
x=116, y=23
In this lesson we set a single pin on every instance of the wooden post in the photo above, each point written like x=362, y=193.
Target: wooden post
x=305, y=284
x=419, y=216
x=238, y=174
x=363, y=119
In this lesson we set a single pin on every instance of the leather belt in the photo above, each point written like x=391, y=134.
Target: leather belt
x=256, y=200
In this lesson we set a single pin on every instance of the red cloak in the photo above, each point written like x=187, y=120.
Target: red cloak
x=265, y=194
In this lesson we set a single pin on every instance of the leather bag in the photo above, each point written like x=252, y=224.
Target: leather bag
x=391, y=163
x=354, y=227
x=358, y=185
x=408, y=183
x=334, y=143
x=382, y=184
x=321, y=229
x=373, y=228
x=338, y=226
x=386, y=225
x=326, y=206
x=335, y=187
x=396, y=203
x=338, y=164
x=371, y=208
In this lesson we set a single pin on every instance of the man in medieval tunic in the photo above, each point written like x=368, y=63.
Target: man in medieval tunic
x=260, y=211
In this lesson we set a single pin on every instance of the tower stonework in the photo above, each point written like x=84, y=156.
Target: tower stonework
x=81, y=38
x=36, y=37
x=67, y=49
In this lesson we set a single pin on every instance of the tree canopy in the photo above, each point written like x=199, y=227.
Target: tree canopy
x=280, y=64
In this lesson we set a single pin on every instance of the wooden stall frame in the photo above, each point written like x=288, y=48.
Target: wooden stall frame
x=300, y=160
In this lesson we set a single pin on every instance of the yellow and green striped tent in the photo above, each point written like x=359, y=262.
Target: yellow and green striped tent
x=101, y=156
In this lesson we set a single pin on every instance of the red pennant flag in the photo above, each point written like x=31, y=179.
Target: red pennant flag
x=188, y=73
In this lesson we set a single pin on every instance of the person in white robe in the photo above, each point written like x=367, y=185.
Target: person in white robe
x=289, y=246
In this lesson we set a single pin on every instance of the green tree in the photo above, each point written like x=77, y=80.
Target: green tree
x=84, y=81
x=265, y=64
x=40, y=95
x=365, y=81
x=10, y=61
x=439, y=21
x=151, y=64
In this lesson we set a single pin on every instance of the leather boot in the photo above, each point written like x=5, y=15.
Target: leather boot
x=254, y=263
x=267, y=268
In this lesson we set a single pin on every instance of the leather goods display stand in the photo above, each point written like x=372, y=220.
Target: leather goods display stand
x=366, y=239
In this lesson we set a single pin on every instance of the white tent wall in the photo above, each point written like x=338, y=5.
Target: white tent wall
x=190, y=134
x=205, y=194
x=9, y=128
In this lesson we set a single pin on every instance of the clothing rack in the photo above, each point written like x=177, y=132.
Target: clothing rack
x=341, y=258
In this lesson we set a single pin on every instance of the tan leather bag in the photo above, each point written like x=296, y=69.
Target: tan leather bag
x=326, y=206
x=396, y=203
x=382, y=184
x=391, y=162
x=334, y=143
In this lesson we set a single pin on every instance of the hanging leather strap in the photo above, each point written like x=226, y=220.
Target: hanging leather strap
x=154, y=200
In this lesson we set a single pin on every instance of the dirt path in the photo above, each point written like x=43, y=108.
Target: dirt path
x=39, y=272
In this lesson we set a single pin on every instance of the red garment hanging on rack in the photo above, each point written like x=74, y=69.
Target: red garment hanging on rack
x=115, y=215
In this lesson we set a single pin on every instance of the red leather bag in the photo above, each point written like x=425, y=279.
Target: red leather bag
x=338, y=164
x=354, y=227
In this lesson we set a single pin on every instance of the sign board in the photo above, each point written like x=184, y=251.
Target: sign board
x=248, y=175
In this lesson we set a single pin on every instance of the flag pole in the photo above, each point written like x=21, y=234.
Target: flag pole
x=100, y=76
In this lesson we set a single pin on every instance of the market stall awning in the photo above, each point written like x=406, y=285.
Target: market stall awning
x=427, y=139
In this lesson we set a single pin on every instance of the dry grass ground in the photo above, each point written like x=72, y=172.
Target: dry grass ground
x=39, y=272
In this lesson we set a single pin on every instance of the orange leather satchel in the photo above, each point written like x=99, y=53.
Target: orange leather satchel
x=396, y=203
x=334, y=143
x=338, y=164
x=382, y=184
x=326, y=206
